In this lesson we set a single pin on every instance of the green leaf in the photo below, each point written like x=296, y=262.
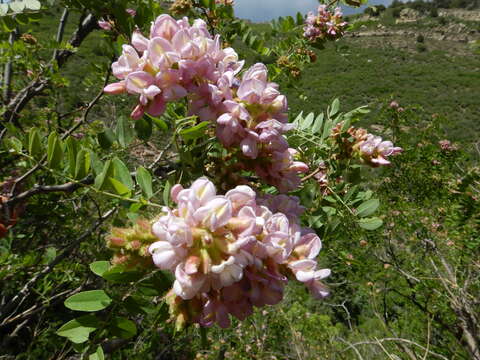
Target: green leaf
x=82, y=166
x=307, y=121
x=194, y=132
x=9, y=23
x=166, y=192
x=298, y=119
x=122, y=173
x=334, y=108
x=138, y=305
x=212, y=5
x=35, y=16
x=15, y=144
x=370, y=223
x=32, y=4
x=92, y=300
x=317, y=125
x=144, y=180
x=124, y=131
x=119, y=274
x=95, y=163
x=159, y=123
x=299, y=18
x=97, y=355
x=143, y=127
x=330, y=211
x=101, y=179
x=78, y=330
x=327, y=129
x=22, y=19
x=54, y=151
x=120, y=188
x=368, y=207
x=106, y=139
x=72, y=151
x=123, y=328
x=99, y=267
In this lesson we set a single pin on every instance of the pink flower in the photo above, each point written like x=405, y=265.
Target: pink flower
x=228, y=271
x=216, y=213
x=324, y=25
x=127, y=63
x=105, y=25
x=115, y=88
x=165, y=256
x=375, y=151
x=131, y=12
x=142, y=83
x=139, y=42
x=187, y=286
x=164, y=27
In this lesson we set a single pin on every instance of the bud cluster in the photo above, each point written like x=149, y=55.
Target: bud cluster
x=130, y=245
x=179, y=61
x=325, y=25
x=373, y=150
x=233, y=252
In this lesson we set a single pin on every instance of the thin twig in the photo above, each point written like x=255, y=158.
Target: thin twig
x=44, y=189
x=61, y=30
x=439, y=356
x=23, y=293
x=7, y=89
x=64, y=136
x=38, y=85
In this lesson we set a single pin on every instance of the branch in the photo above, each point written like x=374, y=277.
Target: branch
x=64, y=136
x=37, y=86
x=7, y=89
x=61, y=30
x=22, y=295
x=44, y=189
x=410, y=342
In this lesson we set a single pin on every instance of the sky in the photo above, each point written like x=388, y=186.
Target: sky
x=264, y=10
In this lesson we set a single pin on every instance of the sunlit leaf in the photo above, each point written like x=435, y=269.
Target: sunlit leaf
x=78, y=330
x=92, y=300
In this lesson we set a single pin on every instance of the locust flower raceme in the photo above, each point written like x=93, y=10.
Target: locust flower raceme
x=371, y=149
x=230, y=253
x=325, y=25
x=179, y=60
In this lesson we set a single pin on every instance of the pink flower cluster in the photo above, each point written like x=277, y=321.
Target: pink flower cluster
x=447, y=146
x=232, y=252
x=255, y=121
x=180, y=60
x=375, y=151
x=177, y=59
x=324, y=25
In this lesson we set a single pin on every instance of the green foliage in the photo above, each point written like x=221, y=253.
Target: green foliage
x=386, y=233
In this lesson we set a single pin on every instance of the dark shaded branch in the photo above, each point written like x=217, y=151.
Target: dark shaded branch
x=410, y=342
x=17, y=300
x=37, y=86
x=44, y=189
x=61, y=29
x=7, y=86
x=64, y=136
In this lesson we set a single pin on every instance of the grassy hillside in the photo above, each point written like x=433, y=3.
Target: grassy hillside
x=441, y=76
